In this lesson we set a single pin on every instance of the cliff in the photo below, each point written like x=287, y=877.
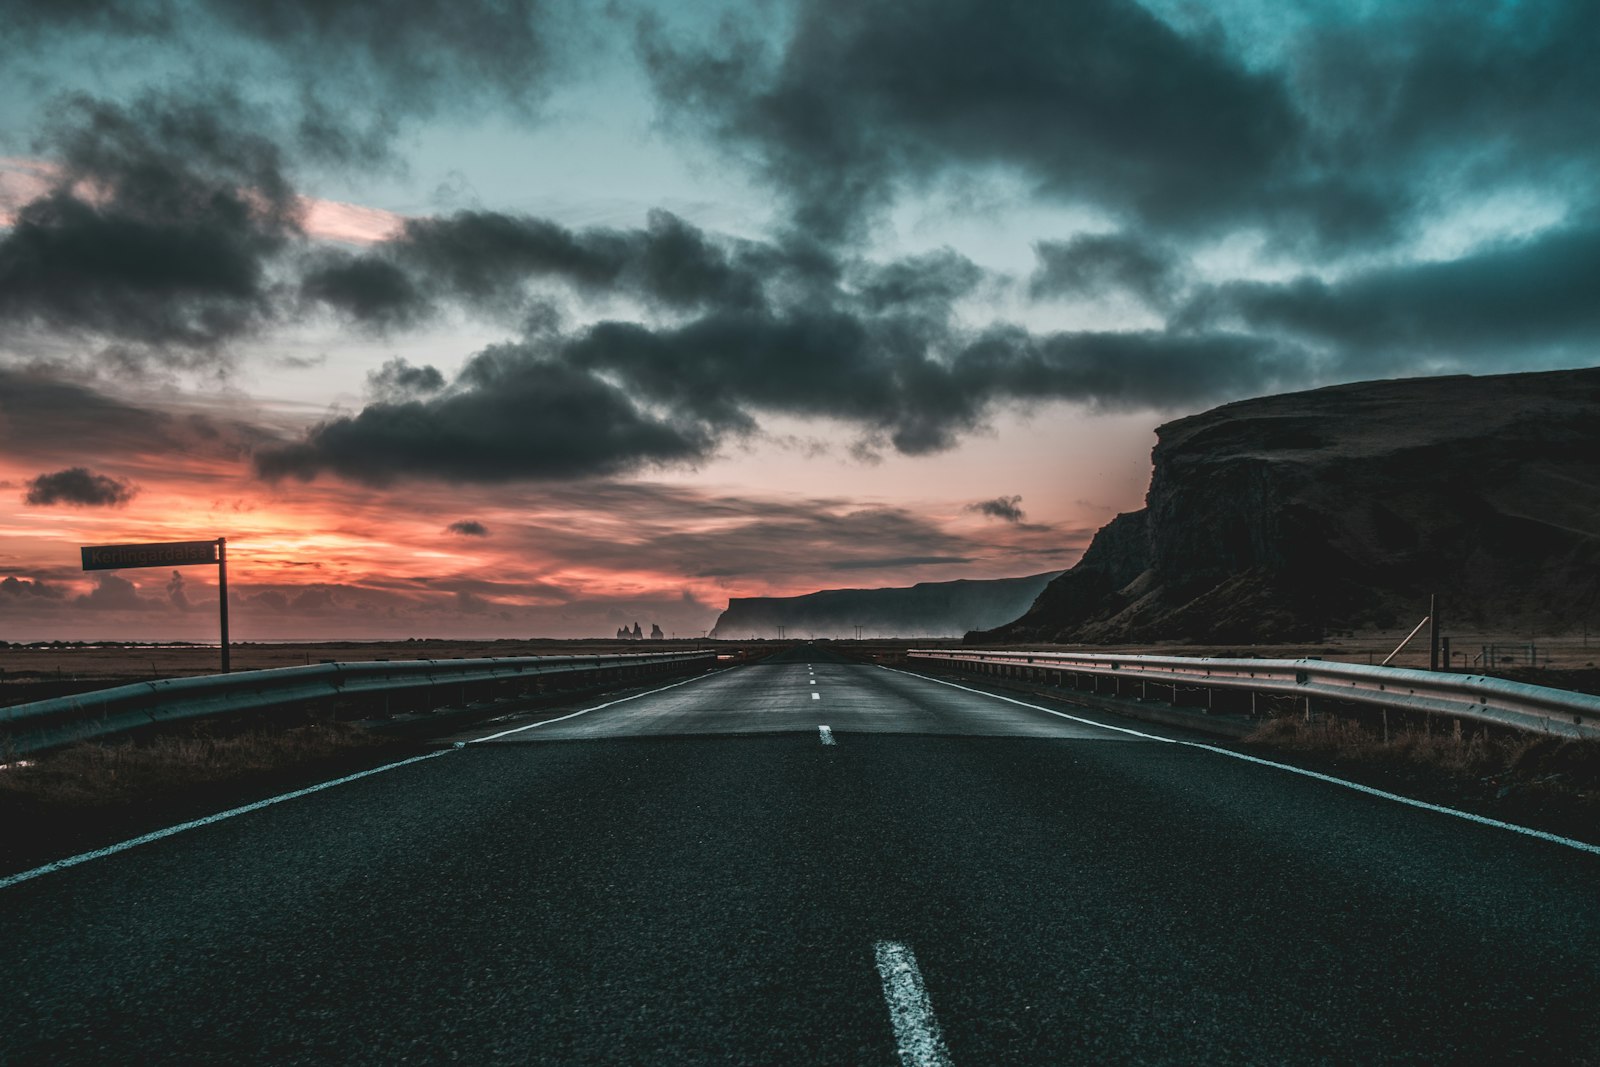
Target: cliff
x=1284, y=517
x=928, y=609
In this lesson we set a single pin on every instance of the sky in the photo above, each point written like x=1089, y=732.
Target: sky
x=537, y=318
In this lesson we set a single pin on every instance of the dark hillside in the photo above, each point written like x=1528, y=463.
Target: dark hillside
x=1285, y=517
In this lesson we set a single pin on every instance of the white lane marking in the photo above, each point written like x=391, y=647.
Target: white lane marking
x=816, y=696
x=156, y=835
x=916, y=1032
x=813, y=681
x=826, y=733
x=1482, y=820
x=585, y=711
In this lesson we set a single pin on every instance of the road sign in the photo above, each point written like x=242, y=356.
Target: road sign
x=169, y=554
x=163, y=554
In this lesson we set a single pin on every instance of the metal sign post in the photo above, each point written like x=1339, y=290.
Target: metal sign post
x=169, y=554
x=222, y=597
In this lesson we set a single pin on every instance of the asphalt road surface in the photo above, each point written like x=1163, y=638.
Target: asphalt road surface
x=703, y=874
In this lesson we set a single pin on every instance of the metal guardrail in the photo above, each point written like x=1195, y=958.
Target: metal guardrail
x=43, y=724
x=1459, y=696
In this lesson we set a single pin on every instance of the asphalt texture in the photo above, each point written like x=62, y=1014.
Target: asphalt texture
x=693, y=877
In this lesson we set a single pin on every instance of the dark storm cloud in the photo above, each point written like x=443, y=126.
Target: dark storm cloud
x=930, y=282
x=367, y=288
x=619, y=396
x=486, y=260
x=1339, y=134
x=45, y=415
x=1128, y=370
x=1094, y=265
x=399, y=379
x=1465, y=92
x=915, y=382
x=78, y=486
x=414, y=51
x=468, y=528
x=508, y=416
x=1096, y=99
x=158, y=228
x=1510, y=300
x=1005, y=508
x=357, y=67
x=29, y=20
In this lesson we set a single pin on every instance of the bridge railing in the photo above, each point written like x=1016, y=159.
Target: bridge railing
x=1457, y=696
x=43, y=724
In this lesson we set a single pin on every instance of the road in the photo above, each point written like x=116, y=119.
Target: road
x=695, y=876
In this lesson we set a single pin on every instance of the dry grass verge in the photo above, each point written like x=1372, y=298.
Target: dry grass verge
x=1545, y=782
x=92, y=794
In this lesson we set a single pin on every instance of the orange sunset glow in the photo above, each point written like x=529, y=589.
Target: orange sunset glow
x=525, y=325
x=330, y=559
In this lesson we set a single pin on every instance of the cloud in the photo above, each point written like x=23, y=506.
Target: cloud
x=1444, y=101
x=1094, y=265
x=47, y=414
x=1338, y=128
x=159, y=225
x=487, y=260
x=399, y=380
x=175, y=593
x=354, y=72
x=1098, y=100
x=78, y=486
x=419, y=55
x=368, y=289
x=1514, y=300
x=510, y=416
x=22, y=588
x=112, y=592
x=468, y=528
x=623, y=396
x=1005, y=508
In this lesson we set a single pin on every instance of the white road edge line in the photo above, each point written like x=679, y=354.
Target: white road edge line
x=156, y=835
x=916, y=1032
x=7, y=881
x=826, y=733
x=1482, y=820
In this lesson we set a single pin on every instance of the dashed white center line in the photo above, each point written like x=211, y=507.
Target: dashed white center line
x=916, y=1032
x=816, y=696
x=813, y=681
x=826, y=733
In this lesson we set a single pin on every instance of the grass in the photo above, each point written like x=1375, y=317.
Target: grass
x=99, y=775
x=1544, y=780
x=95, y=793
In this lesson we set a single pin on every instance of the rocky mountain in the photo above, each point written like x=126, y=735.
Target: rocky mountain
x=928, y=609
x=1285, y=517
